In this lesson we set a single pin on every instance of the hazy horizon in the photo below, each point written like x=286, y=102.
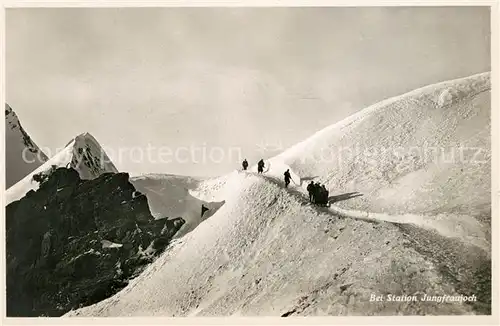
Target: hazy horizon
x=228, y=78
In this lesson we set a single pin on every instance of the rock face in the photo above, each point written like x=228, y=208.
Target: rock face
x=88, y=157
x=22, y=155
x=75, y=242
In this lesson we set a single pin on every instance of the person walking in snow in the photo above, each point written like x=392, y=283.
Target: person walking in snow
x=321, y=195
x=325, y=194
x=310, y=190
x=316, y=190
x=288, y=177
x=260, y=166
x=244, y=164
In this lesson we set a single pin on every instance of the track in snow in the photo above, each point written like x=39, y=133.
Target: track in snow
x=468, y=229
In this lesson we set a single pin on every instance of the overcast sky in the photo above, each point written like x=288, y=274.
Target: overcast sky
x=224, y=78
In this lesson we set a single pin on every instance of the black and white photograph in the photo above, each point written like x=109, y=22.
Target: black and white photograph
x=240, y=161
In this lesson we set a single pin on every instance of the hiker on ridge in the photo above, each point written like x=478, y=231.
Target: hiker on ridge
x=310, y=190
x=325, y=194
x=260, y=166
x=321, y=195
x=316, y=189
x=287, y=178
x=244, y=164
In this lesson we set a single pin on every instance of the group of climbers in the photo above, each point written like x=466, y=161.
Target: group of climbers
x=318, y=194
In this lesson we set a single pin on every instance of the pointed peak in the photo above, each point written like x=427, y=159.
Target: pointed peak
x=87, y=136
x=82, y=138
x=84, y=135
x=8, y=110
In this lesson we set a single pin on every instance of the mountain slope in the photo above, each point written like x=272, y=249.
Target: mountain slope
x=83, y=153
x=22, y=155
x=268, y=252
x=424, y=152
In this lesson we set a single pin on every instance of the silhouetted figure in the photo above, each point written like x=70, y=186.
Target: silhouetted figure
x=244, y=164
x=316, y=192
x=287, y=178
x=260, y=166
x=203, y=210
x=325, y=194
x=320, y=194
x=310, y=190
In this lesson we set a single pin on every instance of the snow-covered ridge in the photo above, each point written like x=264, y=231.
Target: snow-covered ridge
x=440, y=95
x=22, y=155
x=268, y=252
x=423, y=152
x=83, y=153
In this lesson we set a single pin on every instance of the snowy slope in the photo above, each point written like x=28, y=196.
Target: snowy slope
x=421, y=158
x=268, y=252
x=22, y=155
x=83, y=153
x=169, y=196
x=425, y=152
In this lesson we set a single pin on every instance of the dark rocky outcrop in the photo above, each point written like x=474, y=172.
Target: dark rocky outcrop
x=75, y=242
